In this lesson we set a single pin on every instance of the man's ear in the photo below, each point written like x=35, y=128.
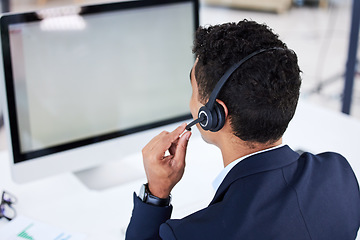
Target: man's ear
x=226, y=111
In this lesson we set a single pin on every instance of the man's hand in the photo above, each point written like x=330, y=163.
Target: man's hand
x=164, y=172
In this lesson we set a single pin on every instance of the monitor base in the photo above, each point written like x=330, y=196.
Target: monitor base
x=112, y=174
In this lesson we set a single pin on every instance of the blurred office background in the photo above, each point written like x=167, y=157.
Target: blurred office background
x=317, y=30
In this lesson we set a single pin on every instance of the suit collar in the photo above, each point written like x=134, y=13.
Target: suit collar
x=257, y=163
x=220, y=178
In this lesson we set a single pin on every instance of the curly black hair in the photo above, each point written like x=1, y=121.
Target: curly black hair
x=262, y=94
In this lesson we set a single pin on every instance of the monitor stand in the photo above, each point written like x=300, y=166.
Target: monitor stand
x=113, y=173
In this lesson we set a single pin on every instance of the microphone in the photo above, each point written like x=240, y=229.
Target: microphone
x=200, y=119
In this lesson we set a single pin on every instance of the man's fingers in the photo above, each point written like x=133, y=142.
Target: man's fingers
x=173, y=147
x=181, y=147
x=168, y=139
x=177, y=132
x=163, y=142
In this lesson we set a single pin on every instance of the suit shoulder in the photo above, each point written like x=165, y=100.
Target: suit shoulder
x=329, y=158
x=321, y=166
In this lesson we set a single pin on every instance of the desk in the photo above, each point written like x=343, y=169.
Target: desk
x=64, y=202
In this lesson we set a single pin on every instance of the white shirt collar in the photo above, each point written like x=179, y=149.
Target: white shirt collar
x=219, y=179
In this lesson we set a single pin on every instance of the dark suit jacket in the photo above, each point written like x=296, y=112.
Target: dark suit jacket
x=272, y=195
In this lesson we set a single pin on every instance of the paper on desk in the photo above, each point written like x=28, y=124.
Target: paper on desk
x=26, y=228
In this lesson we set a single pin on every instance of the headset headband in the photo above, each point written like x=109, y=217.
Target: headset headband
x=229, y=72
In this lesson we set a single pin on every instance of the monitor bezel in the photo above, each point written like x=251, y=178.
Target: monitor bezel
x=9, y=91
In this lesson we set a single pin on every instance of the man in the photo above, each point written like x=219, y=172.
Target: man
x=266, y=190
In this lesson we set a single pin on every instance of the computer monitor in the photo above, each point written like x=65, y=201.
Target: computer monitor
x=85, y=84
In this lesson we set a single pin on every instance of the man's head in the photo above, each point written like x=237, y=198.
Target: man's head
x=261, y=96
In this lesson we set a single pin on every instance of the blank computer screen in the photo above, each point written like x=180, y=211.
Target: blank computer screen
x=81, y=76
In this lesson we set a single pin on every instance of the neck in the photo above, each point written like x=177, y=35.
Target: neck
x=235, y=148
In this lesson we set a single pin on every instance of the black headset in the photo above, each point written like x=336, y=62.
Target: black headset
x=211, y=117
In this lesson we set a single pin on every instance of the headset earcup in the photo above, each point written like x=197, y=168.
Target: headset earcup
x=215, y=119
x=218, y=114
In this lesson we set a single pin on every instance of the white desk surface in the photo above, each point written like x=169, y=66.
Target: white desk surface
x=66, y=203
